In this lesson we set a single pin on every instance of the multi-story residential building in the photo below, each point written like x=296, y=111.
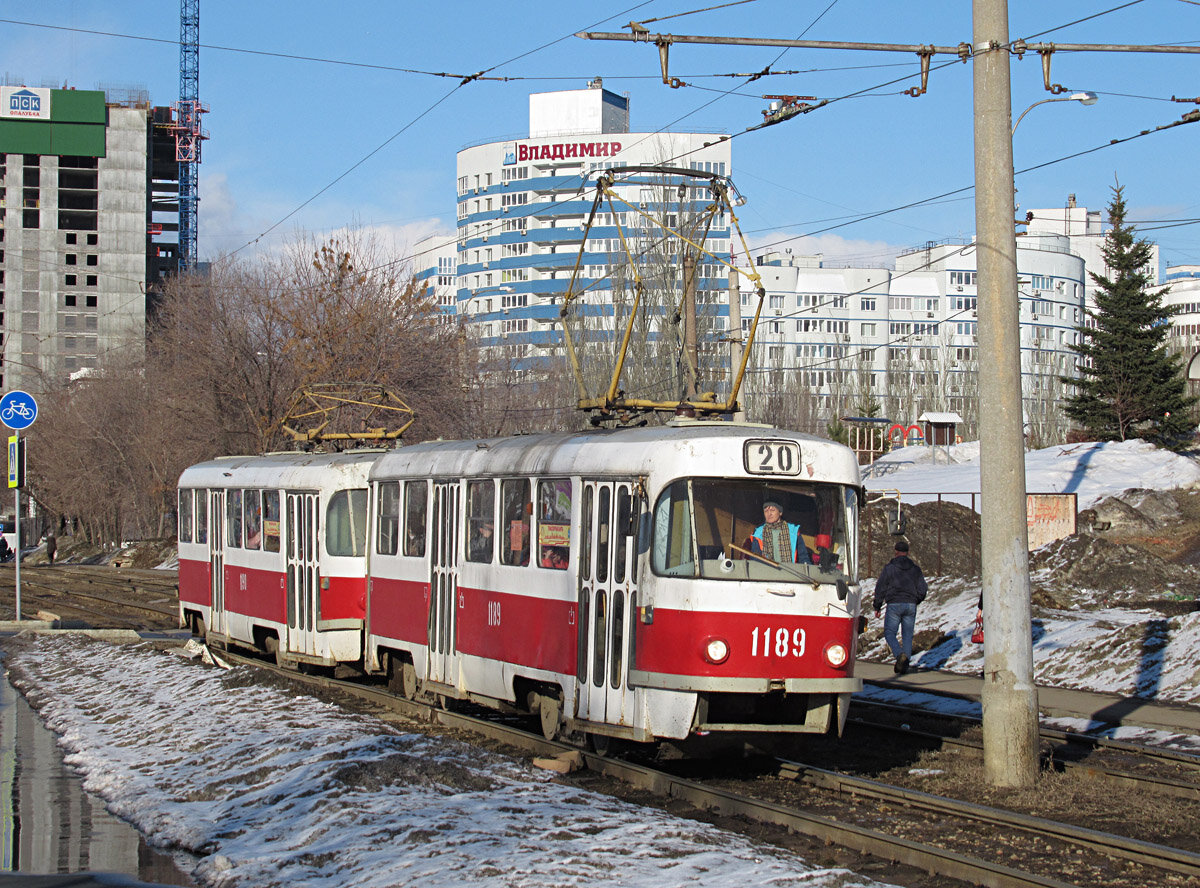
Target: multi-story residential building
x=436, y=261
x=523, y=204
x=906, y=338
x=81, y=180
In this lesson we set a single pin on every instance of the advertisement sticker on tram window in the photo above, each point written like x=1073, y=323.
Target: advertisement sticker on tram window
x=771, y=456
x=554, y=534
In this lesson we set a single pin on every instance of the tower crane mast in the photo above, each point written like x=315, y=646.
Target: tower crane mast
x=188, y=131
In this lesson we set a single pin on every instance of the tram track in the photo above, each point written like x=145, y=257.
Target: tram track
x=135, y=599
x=957, y=840
x=1120, y=763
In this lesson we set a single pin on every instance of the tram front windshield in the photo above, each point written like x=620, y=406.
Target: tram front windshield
x=756, y=530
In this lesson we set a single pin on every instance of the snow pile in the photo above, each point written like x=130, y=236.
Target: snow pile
x=268, y=788
x=1092, y=471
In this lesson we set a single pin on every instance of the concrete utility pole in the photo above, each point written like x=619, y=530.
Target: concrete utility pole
x=1010, y=727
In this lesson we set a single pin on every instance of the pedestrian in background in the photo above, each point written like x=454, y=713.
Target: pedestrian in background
x=901, y=587
x=51, y=547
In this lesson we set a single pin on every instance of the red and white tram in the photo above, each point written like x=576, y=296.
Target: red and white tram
x=271, y=553
x=609, y=580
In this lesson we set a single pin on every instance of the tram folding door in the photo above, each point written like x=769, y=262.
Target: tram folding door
x=302, y=574
x=607, y=596
x=216, y=560
x=443, y=583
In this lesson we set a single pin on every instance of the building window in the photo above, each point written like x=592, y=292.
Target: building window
x=866, y=303
x=71, y=258
x=866, y=329
x=91, y=300
x=69, y=299
x=92, y=240
x=90, y=280
x=72, y=238
x=70, y=280
x=93, y=259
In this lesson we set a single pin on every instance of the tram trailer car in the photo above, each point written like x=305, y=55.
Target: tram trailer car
x=610, y=580
x=272, y=553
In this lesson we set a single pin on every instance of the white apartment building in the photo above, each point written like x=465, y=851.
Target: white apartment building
x=522, y=205
x=906, y=338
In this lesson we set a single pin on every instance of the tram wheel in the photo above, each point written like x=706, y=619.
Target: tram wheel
x=271, y=643
x=550, y=711
x=199, y=629
x=603, y=745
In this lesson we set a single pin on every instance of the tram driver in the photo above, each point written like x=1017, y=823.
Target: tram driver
x=778, y=540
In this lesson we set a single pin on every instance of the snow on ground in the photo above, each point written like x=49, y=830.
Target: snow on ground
x=1107, y=649
x=268, y=788
x=1092, y=471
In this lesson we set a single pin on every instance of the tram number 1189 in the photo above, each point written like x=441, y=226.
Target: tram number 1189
x=493, y=613
x=777, y=642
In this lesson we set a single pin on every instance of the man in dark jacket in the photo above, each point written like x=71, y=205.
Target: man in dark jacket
x=901, y=587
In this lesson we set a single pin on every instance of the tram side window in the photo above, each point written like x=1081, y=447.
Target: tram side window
x=270, y=521
x=185, y=515
x=233, y=519
x=481, y=521
x=416, y=497
x=387, y=537
x=346, y=523
x=672, y=548
x=202, y=516
x=252, y=507
x=516, y=505
x=554, y=523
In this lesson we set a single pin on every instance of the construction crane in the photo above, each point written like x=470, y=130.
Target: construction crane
x=188, y=131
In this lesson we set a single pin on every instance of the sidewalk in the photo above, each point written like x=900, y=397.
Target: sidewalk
x=1105, y=710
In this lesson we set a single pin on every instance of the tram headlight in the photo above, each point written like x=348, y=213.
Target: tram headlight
x=716, y=650
x=836, y=655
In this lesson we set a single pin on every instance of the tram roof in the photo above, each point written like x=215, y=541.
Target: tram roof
x=682, y=447
x=283, y=468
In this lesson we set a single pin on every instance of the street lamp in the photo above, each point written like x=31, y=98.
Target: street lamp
x=1083, y=98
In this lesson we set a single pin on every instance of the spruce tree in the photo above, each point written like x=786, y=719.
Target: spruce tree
x=1129, y=385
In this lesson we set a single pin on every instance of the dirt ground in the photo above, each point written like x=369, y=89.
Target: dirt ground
x=1141, y=548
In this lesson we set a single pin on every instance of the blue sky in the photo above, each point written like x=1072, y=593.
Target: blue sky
x=284, y=129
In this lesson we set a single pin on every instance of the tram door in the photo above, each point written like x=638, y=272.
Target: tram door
x=303, y=579
x=443, y=582
x=607, y=593
x=216, y=560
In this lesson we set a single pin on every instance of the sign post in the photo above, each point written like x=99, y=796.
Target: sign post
x=18, y=410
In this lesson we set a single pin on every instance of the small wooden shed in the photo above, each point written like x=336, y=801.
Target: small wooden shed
x=940, y=428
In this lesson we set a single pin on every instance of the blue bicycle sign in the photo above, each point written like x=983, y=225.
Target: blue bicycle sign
x=18, y=410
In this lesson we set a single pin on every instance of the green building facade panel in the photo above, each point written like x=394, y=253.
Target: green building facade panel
x=77, y=105
x=44, y=137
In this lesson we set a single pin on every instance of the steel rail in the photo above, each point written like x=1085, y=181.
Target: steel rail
x=1123, y=778
x=929, y=858
x=1147, y=853
x=1177, y=756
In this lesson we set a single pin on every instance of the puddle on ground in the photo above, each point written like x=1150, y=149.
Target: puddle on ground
x=48, y=823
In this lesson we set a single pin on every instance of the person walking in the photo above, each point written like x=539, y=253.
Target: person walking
x=901, y=587
x=51, y=547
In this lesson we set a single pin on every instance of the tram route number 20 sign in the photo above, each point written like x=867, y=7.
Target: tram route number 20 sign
x=771, y=456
